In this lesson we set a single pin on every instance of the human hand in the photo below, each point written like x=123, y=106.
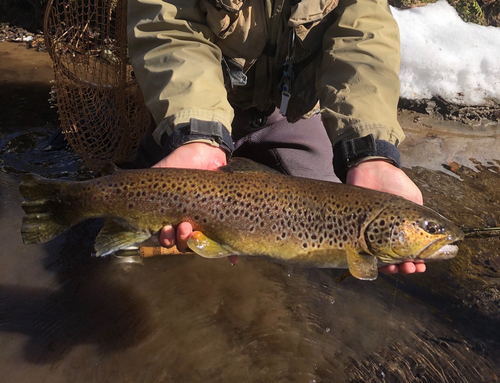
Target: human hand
x=381, y=175
x=195, y=155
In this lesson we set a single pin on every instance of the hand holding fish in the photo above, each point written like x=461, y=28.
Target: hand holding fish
x=196, y=155
x=381, y=175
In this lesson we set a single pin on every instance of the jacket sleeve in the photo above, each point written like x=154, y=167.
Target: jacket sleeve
x=358, y=83
x=178, y=67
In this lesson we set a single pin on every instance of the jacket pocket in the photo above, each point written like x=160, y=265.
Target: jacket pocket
x=222, y=15
x=240, y=27
x=310, y=20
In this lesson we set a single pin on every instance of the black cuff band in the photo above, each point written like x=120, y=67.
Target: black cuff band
x=347, y=153
x=197, y=130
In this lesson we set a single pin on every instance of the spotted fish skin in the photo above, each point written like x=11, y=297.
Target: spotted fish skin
x=244, y=207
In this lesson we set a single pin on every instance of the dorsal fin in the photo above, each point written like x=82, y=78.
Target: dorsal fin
x=109, y=168
x=244, y=165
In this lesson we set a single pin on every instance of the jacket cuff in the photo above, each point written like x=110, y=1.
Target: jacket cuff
x=212, y=131
x=349, y=153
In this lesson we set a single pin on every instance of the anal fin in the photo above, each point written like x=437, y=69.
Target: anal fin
x=114, y=236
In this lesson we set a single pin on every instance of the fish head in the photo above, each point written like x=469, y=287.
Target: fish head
x=411, y=232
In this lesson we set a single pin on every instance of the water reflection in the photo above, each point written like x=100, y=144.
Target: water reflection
x=184, y=318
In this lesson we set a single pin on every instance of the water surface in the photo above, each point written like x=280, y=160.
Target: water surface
x=65, y=316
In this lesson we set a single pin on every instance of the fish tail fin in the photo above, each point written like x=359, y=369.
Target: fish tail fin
x=44, y=219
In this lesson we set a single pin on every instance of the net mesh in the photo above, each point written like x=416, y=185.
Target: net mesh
x=101, y=109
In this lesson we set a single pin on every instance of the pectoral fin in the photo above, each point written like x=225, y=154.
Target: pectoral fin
x=114, y=236
x=362, y=266
x=206, y=247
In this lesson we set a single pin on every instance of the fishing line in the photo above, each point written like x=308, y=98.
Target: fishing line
x=395, y=291
x=488, y=231
x=392, y=307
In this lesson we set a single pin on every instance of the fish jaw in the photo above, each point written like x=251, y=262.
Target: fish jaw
x=440, y=249
x=446, y=252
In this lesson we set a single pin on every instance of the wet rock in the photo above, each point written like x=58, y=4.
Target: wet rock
x=449, y=111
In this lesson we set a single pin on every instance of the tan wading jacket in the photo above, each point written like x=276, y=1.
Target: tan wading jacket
x=344, y=53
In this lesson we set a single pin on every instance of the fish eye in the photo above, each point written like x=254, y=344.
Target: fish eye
x=432, y=227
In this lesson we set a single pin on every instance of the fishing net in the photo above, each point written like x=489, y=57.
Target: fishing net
x=101, y=108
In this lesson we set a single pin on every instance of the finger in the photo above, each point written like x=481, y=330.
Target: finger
x=420, y=267
x=233, y=259
x=391, y=269
x=407, y=268
x=184, y=231
x=167, y=236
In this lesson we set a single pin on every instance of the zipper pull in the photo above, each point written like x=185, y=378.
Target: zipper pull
x=285, y=98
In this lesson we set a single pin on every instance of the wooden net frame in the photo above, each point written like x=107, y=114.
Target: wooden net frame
x=101, y=108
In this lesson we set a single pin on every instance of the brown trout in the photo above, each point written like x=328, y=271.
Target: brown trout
x=244, y=209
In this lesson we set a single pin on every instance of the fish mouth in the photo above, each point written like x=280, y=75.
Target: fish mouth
x=439, y=251
x=446, y=252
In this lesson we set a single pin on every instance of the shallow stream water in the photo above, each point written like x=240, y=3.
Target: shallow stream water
x=65, y=316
